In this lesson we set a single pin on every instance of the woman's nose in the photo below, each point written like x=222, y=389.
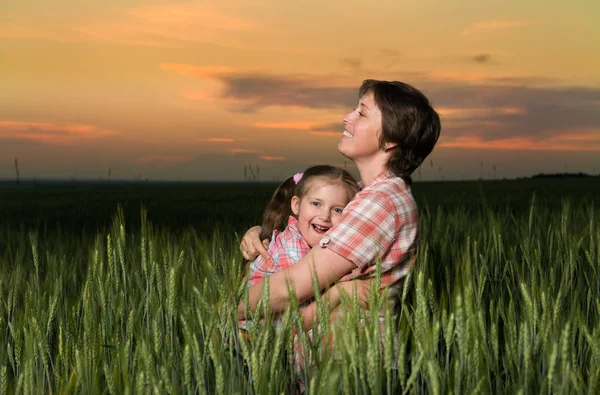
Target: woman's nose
x=346, y=118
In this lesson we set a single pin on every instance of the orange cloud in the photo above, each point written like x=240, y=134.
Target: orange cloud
x=242, y=151
x=226, y=140
x=52, y=133
x=196, y=71
x=273, y=158
x=590, y=136
x=462, y=113
x=12, y=30
x=286, y=125
x=168, y=159
x=475, y=78
x=220, y=140
x=155, y=25
x=565, y=141
x=214, y=96
x=317, y=133
x=493, y=25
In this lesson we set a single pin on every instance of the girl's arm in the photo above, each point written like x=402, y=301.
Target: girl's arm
x=251, y=245
x=333, y=298
x=326, y=265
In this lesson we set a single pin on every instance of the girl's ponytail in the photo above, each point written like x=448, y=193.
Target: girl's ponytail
x=279, y=209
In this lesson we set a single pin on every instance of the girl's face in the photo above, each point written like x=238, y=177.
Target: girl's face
x=362, y=128
x=319, y=209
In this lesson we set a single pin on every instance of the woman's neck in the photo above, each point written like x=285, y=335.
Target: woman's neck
x=369, y=170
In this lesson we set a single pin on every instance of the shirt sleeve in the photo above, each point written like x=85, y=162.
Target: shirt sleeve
x=285, y=250
x=366, y=231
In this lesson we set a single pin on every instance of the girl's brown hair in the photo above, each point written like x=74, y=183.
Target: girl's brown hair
x=280, y=207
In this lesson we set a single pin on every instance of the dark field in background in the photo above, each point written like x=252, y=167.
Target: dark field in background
x=89, y=206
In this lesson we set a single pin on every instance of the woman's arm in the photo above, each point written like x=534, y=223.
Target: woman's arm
x=325, y=264
x=333, y=298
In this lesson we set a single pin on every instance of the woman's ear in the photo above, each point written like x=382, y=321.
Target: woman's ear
x=388, y=146
x=295, y=205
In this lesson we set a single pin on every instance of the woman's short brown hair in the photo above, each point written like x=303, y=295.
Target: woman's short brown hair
x=408, y=120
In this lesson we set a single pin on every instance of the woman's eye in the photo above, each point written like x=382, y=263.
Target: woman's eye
x=361, y=114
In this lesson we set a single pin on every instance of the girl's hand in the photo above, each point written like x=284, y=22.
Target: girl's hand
x=251, y=245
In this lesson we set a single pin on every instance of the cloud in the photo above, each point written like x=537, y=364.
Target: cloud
x=328, y=134
x=52, y=133
x=560, y=142
x=313, y=128
x=273, y=158
x=493, y=25
x=151, y=25
x=353, y=64
x=225, y=140
x=285, y=125
x=163, y=159
x=332, y=129
x=220, y=140
x=336, y=127
x=515, y=111
x=251, y=91
x=482, y=58
x=392, y=53
x=391, y=56
x=242, y=151
x=196, y=71
x=475, y=78
x=485, y=106
x=259, y=91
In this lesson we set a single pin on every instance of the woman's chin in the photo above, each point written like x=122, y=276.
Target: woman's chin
x=344, y=149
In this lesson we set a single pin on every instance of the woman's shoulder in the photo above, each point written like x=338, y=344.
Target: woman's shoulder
x=387, y=186
x=392, y=192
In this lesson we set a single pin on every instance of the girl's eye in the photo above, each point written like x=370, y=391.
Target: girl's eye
x=338, y=210
x=316, y=204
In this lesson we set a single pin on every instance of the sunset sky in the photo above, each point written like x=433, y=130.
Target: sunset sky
x=197, y=90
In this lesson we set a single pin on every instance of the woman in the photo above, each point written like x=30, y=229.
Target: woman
x=388, y=135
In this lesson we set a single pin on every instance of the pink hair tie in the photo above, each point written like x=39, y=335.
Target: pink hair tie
x=298, y=177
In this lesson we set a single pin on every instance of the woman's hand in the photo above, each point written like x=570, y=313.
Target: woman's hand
x=333, y=297
x=251, y=245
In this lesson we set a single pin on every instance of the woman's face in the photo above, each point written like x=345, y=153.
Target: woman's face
x=362, y=128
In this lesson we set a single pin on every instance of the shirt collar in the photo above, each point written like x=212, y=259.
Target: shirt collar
x=384, y=175
x=294, y=226
x=292, y=221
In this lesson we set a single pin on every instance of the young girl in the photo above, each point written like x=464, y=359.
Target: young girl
x=310, y=203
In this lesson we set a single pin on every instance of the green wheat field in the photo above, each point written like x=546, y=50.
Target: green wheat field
x=114, y=289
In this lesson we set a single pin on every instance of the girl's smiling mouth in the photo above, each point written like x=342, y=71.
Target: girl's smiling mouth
x=320, y=229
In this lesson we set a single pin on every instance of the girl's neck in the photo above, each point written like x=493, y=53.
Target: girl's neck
x=369, y=170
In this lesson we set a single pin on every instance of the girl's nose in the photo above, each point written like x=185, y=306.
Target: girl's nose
x=325, y=215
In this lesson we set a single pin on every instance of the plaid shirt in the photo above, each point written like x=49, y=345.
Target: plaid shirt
x=380, y=223
x=286, y=248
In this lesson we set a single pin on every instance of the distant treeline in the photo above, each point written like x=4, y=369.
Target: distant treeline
x=561, y=175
